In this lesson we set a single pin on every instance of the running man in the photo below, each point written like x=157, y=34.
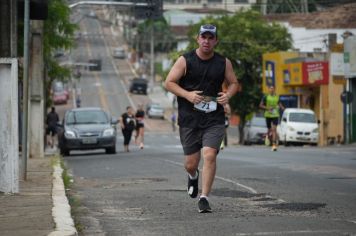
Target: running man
x=196, y=79
x=271, y=104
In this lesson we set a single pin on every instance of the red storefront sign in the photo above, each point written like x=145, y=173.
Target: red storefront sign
x=315, y=73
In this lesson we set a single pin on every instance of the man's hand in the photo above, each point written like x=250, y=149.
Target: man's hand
x=194, y=97
x=223, y=98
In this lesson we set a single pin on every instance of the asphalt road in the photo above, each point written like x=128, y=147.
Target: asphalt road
x=294, y=191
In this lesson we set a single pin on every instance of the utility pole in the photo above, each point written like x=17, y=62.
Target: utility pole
x=264, y=7
x=152, y=52
x=304, y=6
x=36, y=111
x=23, y=165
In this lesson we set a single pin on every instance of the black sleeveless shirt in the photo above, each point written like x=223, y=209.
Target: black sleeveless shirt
x=201, y=75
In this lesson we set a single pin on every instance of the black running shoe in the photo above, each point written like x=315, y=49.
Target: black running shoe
x=193, y=186
x=204, y=206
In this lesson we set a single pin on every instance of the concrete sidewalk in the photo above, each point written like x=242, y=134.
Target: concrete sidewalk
x=34, y=210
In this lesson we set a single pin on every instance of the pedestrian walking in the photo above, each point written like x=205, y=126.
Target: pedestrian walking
x=227, y=112
x=52, y=120
x=78, y=101
x=196, y=79
x=173, y=121
x=127, y=122
x=140, y=126
x=271, y=104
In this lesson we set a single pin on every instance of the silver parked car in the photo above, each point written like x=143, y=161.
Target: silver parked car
x=87, y=128
x=255, y=130
x=155, y=110
x=119, y=53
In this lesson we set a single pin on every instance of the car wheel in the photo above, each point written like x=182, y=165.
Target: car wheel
x=246, y=142
x=64, y=152
x=111, y=150
x=286, y=144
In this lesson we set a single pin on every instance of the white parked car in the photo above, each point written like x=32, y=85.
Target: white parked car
x=298, y=126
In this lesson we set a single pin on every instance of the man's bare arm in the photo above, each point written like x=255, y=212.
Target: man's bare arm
x=173, y=77
x=232, y=82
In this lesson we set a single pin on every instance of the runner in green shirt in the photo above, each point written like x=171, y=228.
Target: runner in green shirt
x=271, y=104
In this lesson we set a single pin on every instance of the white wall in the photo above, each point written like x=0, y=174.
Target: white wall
x=306, y=40
x=9, y=136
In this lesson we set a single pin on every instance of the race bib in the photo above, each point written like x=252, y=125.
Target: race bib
x=206, y=106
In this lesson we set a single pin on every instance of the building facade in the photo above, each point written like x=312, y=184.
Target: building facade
x=229, y=5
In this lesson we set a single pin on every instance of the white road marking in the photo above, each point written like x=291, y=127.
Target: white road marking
x=237, y=184
x=351, y=221
x=222, y=178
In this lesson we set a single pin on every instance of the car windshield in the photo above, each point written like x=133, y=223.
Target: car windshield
x=87, y=117
x=259, y=122
x=302, y=117
x=156, y=106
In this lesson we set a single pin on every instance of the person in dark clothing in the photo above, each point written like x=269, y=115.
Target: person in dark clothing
x=227, y=111
x=51, y=130
x=127, y=122
x=196, y=79
x=173, y=121
x=140, y=125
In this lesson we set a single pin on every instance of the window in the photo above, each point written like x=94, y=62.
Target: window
x=302, y=117
x=87, y=117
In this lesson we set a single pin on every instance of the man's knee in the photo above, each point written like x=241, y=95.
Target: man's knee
x=190, y=167
x=209, y=155
x=192, y=162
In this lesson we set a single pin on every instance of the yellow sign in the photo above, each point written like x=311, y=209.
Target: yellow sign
x=273, y=71
x=339, y=80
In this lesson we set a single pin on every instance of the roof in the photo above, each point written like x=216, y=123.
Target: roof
x=342, y=16
x=180, y=31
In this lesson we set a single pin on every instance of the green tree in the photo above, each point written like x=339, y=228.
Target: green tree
x=243, y=38
x=58, y=34
x=163, y=37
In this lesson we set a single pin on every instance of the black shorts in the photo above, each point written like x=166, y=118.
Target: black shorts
x=140, y=125
x=270, y=121
x=194, y=139
x=51, y=130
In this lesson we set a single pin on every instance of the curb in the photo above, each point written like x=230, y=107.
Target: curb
x=61, y=208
